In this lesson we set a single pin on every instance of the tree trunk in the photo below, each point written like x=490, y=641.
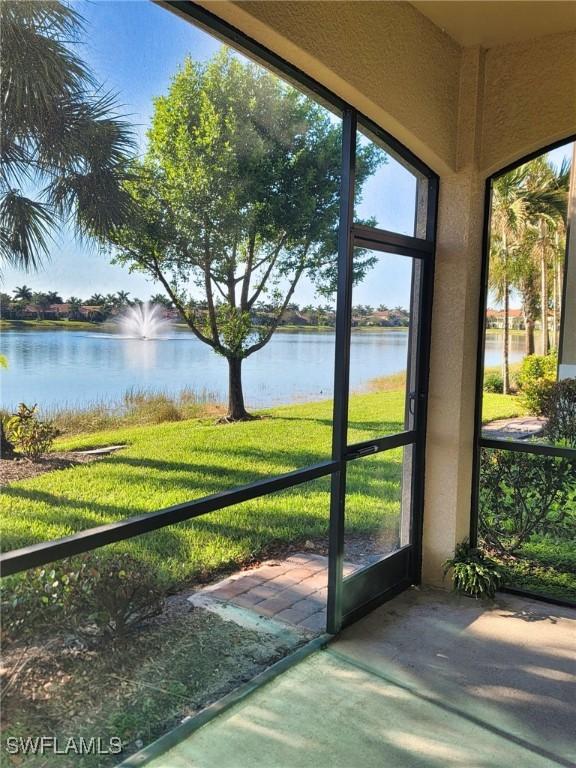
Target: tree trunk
x=236, y=408
x=530, y=348
x=505, y=349
x=544, y=299
x=6, y=447
x=557, y=294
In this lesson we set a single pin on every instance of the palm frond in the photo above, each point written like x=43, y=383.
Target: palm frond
x=37, y=69
x=25, y=225
x=50, y=17
x=60, y=134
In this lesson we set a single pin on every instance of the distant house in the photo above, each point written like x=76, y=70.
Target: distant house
x=495, y=319
x=292, y=317
x=64, y=311
x=379, y=318
x=93, y=312
x=385, y=318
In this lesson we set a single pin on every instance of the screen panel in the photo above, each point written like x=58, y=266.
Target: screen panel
x=109, y=650
x=383, y=344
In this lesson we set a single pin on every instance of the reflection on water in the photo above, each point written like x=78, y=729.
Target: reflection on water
x=77, y=367
x=139, y=354
x=493, y=348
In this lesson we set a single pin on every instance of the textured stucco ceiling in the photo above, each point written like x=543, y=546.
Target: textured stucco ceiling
x=497, y=22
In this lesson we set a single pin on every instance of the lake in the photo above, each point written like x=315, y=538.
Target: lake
x=77, y=367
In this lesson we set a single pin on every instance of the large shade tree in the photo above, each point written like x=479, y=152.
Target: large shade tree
x=62, y=147
x=237, y=201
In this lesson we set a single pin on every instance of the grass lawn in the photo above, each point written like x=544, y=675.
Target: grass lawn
x=173, y=462
x=544, y=573
x=545, y=565
x=50, y=325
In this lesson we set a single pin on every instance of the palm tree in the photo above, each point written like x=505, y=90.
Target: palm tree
x=6, y=304
x=122, y=298
x=558, y=256
x=547, y=200
x=22, y=293
x=162, y=300
x=528, y=207
x=96, y=299
x=59, y=130
x=54, y=297
x=509, y=216
x=527, y=284
x=42, y=301
x=74, y=306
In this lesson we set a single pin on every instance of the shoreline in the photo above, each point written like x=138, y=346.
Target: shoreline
x=50, y=325
x=85, y=325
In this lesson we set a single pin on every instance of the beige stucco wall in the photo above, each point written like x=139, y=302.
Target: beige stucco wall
x=466, y=112
x=454, y=333
x=529, y=98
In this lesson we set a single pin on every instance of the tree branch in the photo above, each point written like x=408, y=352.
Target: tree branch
x=230, y=277
x=248, y=271
x=275, y=253
x=209, y=295
x=219, y=288
x=179, y=306
x=268, y=335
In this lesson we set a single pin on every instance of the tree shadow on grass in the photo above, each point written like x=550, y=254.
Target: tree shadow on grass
x=367, y=477
x=375, y=486
x=378, y=426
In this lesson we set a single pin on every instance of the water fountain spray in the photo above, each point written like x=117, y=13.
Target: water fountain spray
x=144, y=321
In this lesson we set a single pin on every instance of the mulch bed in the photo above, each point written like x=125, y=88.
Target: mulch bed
x=12, y=470
x=136, y=688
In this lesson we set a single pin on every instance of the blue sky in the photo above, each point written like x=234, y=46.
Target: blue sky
x=134, y=47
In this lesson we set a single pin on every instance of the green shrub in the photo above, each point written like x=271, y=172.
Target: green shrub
x=28, y=434
x=552, y=552
x=523, y=494
x=119, y=592
x=559, y=407
x=537, y=367
x=493, y=382
x=36, y=601
x=531, y=577
x=473, y=572
x=535, y=378
x=91, y=596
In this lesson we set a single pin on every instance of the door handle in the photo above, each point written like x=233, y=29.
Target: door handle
x=366, y=451
x=412, y=397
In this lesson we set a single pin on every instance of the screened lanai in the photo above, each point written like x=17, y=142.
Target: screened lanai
x=317, y=362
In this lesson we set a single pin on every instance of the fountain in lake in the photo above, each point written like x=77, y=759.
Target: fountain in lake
x=144, y=321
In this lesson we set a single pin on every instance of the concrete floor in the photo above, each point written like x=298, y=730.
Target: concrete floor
x=429, y=680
